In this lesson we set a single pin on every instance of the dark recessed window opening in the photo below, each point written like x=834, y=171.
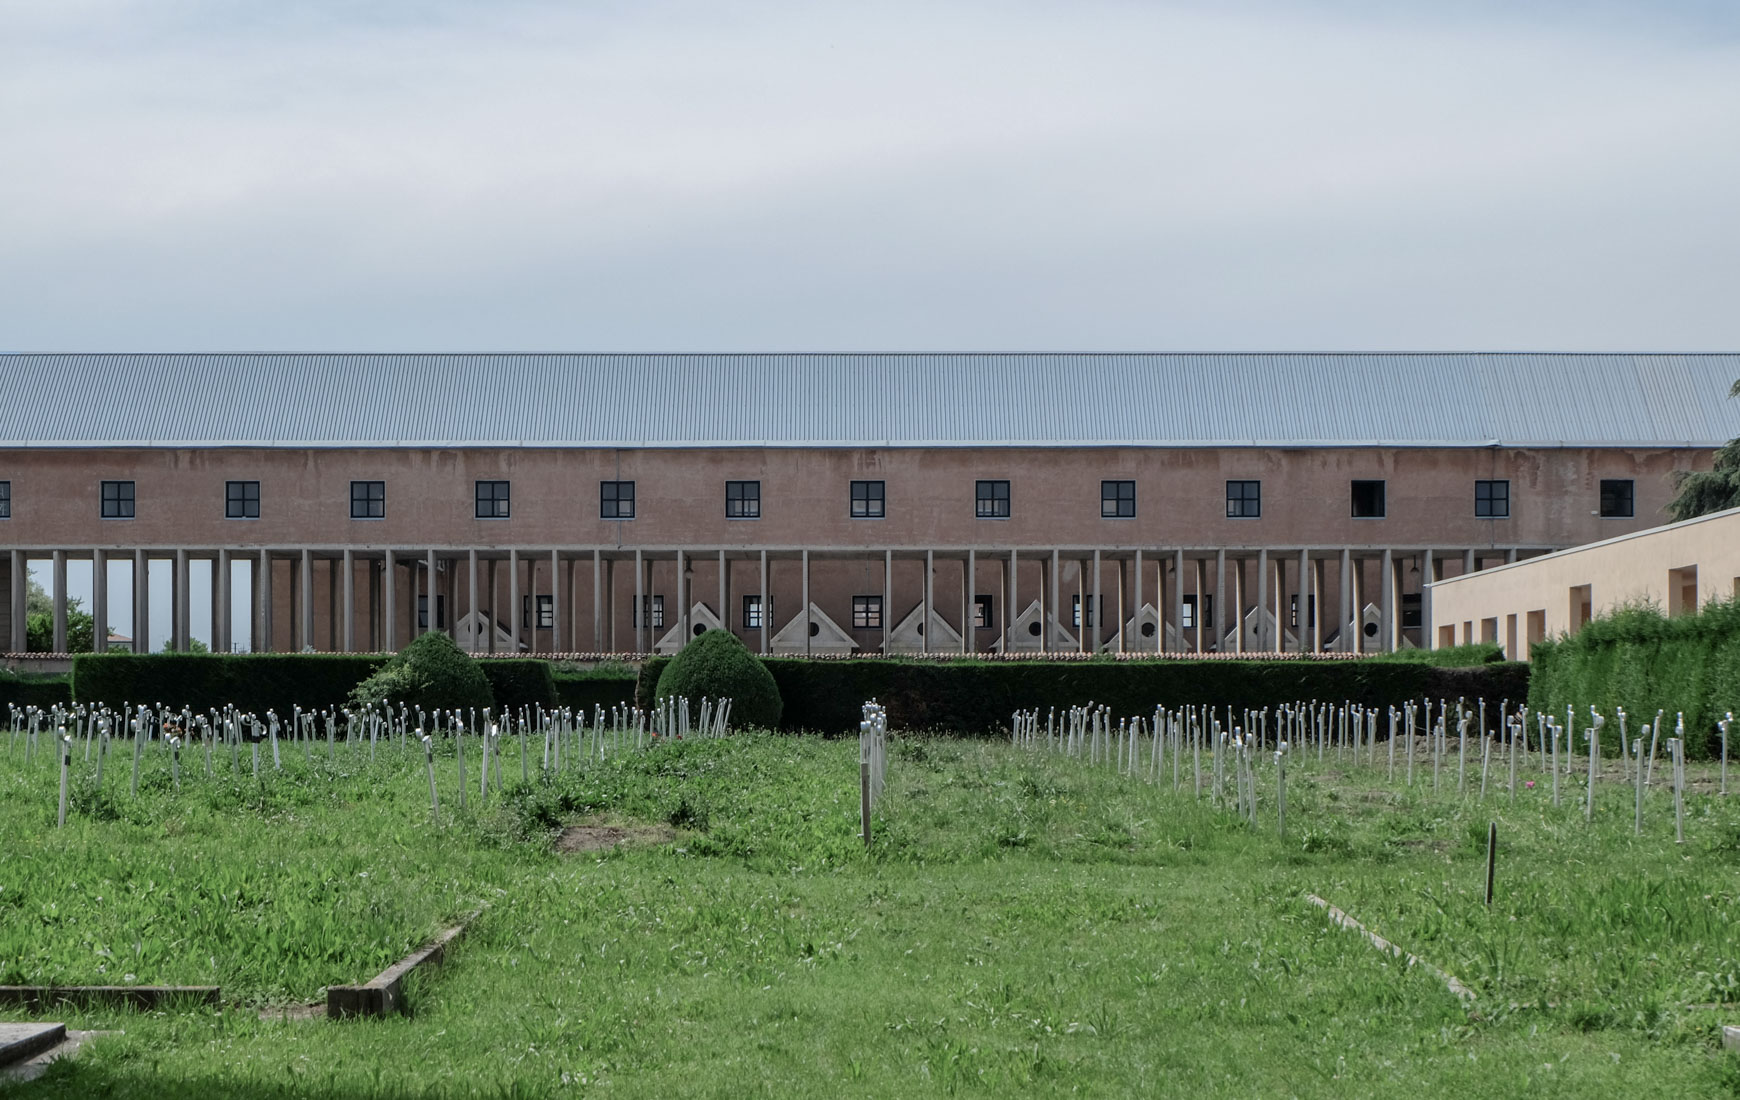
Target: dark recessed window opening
x=440, y=612
x=1492, y=499
x=1310, y=612
x=492, y=500
x=616, y=499
x=982, y=612
x=546, y=612
x=1189, y=620
x=866, y=612
x=991, y=499
x=1368, y=500
x=241, y=500
x=368, y=500
x=1618, y=498
x=1117, y=500
x=117, y=500
x=1075, y=610
x=657, y=606
x=5, y=500
x=869, y=500
x=743, y=500
x=1244, y=499
x=752, y=612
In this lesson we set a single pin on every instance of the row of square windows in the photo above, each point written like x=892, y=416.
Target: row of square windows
x=1244, y=499
x=866, y=612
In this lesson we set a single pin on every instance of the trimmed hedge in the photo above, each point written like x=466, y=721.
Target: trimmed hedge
x=584, y=691
x=251, y=681
x=34, y=691
x=977, y=697
x=520, y=682
x=716, y=664
x=1644, y=661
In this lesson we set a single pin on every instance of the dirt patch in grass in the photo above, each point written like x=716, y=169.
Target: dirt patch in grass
x=602, y=838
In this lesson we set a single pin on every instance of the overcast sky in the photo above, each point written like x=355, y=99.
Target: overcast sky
x=508, y=175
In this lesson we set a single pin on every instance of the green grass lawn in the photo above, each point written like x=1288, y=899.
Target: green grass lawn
x=1024, y=924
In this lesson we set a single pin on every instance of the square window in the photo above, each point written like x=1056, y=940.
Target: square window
x=868, y=500
x=241, y=500
x=1075, y=610
x=546, y=612
x=440, y=612
x=982, y=612
x=1368, y=500
x=5, y=500
x=368, y=500
x=991, y=499
x=1189, y=621
x=492, y=500
x=1618, y=498
x=1244, y=499
x=866, y=612
x=743, y=500
x=1492, y=499
x=752, y=612
x=616, y=499
x=117, y=500
x=1117, y=500
x=657, y=606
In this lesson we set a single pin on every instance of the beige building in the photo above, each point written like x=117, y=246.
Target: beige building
x=822, y=503
x=1678, y=568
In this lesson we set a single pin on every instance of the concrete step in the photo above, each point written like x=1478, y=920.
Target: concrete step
x=21, y=1041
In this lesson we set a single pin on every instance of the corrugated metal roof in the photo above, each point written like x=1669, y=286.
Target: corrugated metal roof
x=882, y=399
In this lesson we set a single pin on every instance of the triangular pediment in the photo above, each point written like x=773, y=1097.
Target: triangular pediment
x=825, y=635
x=908, y=635
x=1026, y=628
x=701, y=619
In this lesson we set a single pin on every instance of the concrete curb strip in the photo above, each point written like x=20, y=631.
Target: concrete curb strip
x=385, y=993
x=1382, y=944
x=36, y=998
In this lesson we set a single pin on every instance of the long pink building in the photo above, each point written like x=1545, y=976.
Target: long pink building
x=828, y=504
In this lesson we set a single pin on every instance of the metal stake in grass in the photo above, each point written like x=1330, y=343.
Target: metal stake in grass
x=1723, y=726
x=65, y=770
x=429, y=763
x=1637, y=754
x=1677, y=750
x=175, y=761
x=1593, y=736
x=1491, y=858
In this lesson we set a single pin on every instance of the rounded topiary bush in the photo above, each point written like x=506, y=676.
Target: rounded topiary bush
x=716, y=665
x=431, y=673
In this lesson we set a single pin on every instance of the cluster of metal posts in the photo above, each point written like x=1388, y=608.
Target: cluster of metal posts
x=872, y=762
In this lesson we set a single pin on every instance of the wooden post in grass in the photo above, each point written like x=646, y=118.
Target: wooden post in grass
x=1491, y=858
x=175, y=761
x=1723, y=725
x=1281, y=791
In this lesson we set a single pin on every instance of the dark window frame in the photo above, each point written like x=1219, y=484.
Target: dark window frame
x=867, y=612
x=5, y=500
x=869, y=499
x=1188, y=603
x=1244, y=499
x=1093, y=605
x=1376, y=506
x=492, y=499
x=747, y=500
x=656, y=601
x=991, y=499
x=440, y=612
x=1487, y=504
x=119, y=500
x=546, y=611
x=373, y=500
x=1119, y=497
x=752, y=611
x=613, y=502
x=984, y=612
x=241, y=500
x=1612, y=500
